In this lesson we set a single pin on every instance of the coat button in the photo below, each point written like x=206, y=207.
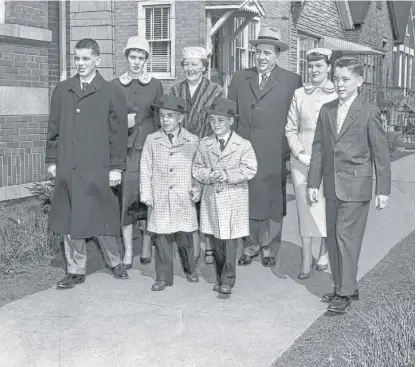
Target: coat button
x=73, y=140
x=252, y=106
x=254, y=128
x=74, y=166
x=171, y=170
x=171, y=187
x=171, y=153
x=78, y=110
x=218, y=191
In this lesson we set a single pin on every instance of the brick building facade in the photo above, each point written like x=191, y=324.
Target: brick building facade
x=37, y=40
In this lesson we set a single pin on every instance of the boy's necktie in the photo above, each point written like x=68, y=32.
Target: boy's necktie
x=263, y=81
x=222, y=144
x=170, y=136
x=84, y=86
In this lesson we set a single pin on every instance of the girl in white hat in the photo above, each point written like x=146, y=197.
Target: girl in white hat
x=141, y=91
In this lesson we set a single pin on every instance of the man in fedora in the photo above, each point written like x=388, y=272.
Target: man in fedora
x=263, y=94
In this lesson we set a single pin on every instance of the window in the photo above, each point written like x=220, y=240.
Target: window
x=2, y=11
x=244, y=53
x=305, y=43
x=369, y=68
x=405, y=71
x=399, y=84
x=156, y=23
x=407, y=31
x=410, y=80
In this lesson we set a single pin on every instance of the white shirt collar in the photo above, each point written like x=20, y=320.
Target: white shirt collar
x=225, y=138
x=87, y=81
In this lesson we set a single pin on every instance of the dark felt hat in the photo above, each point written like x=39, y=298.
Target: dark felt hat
x=223, y=107
x=171, y=103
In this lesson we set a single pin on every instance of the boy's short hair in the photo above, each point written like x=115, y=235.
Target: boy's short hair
x=90, y=44
x=353, y=64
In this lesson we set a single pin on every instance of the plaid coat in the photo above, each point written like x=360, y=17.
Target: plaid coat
x=166, y=182
x=225, y=206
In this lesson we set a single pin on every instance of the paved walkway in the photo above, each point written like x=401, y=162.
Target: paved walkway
x=108, y=322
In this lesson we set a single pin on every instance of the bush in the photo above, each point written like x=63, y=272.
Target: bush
x=24, y=236
x=393, y=141
x=388, y=337
x=44, y=192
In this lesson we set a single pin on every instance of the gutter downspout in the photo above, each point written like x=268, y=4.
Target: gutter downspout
x=62, y=40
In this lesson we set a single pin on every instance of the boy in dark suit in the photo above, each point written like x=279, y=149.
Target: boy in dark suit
x=349, y=139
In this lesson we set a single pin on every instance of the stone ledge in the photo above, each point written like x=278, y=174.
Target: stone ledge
x=25, y=32
x=16, y=191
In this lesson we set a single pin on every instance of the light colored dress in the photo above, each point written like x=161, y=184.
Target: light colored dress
x=300, y=130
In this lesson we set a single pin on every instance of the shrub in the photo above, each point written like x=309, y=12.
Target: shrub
x=393, y=141
x=24, y=236
x=44, y=192
x=388, y=337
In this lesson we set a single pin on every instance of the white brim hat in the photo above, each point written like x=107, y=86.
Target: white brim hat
x=136, y=42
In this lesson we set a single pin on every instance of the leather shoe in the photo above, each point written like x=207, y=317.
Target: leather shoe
x=226, y=289
x=192, y=278
x=268, y=262
x=303, y=276
x=119, y=272
x=160, y=285
x=329, y=297
x=245, y=260
x=216, y=287
x=70, y=281
x=339, y=304
x=128, y=266
x=145, y=260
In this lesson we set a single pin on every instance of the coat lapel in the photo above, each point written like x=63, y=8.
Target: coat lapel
x=94, y=86
x=332, y=117
x=230, y=147
x=254, y=84
x=214, y=147
x=271, y=82
x=163, y=139
x=352, y=115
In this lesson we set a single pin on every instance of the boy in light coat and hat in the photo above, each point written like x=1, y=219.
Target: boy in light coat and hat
x=224, y=163
x=167, y=188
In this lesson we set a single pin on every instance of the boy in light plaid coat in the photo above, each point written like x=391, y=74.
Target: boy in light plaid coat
x=169, y=191
x=224, y=163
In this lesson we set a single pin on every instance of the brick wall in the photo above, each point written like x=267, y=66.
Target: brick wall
x=277, y=14
x=28, y=13
x=29, y=64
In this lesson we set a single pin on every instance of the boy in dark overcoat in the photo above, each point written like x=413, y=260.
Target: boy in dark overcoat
x=86, y=151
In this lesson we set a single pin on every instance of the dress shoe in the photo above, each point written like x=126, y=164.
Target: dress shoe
x=329, y=297
x=303, y=276
x=226, y=289
x=145, y=260
x=216, y=287
x=245, y=260
x=192, y=278
x=268, y=262
x=127, y=266
x=70, y=281
x=119, y=272
x=339, y=305
x=322, y=263
x=160, y=285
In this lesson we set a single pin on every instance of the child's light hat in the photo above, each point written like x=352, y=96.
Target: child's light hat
x=171, y=103
x=319, y=52
x=136, y=42
x=223, y=107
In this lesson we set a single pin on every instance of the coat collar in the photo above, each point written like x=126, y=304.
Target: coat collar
x=96, y=84
x=327, y=87
x=272, y=80
x=126, y=79
x=215, y=147
x=184, y=137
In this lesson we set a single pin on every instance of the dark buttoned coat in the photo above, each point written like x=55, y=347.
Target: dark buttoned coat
x=87, y=137
x=263, y=116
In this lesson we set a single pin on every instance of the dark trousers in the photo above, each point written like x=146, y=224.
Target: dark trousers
x=225, y=256
x=164, y=255
x=265, y=235
x=345, y=222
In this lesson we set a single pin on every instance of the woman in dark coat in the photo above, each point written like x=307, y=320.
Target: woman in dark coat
x=198, y=92
x=141, y=92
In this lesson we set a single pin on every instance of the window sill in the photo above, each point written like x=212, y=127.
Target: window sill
x=25, y=32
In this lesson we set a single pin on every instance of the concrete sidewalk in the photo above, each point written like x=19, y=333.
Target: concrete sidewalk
x=108, y=322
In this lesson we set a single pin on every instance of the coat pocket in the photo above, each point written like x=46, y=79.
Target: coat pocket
x=363, y=172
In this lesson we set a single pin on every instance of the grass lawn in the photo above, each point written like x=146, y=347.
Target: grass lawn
x=378, y=331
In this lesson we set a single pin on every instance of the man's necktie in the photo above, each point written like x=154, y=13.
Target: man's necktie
x=170, y=136
x=222, y=144
x=84, y=86
x=263, y=81
x=341, y=115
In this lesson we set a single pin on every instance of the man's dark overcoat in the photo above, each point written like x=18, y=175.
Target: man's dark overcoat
x=263, y=116
x=87, y=137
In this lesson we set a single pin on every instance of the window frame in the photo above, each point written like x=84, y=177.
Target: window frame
x=2, y=11
x=300, y=60
x=142, y=5
x=246, y=49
